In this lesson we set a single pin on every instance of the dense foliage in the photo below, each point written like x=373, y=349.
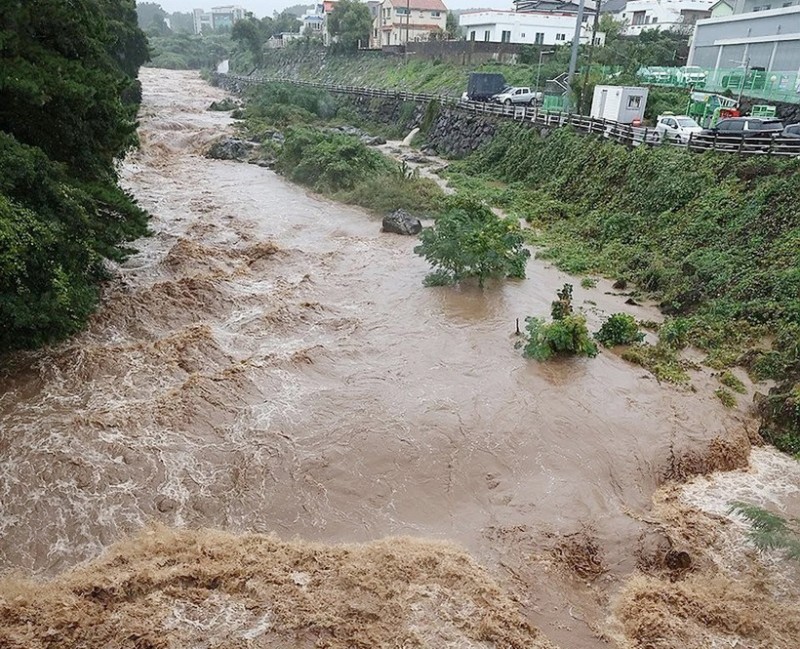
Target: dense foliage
x=713, y=237
x=189, y=51
x=67, y=77
x=566, y=335
x=350, y=24
x=328, y=161
x=469, y=240
x=619, y=329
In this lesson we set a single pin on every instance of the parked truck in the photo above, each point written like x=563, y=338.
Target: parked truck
x=482, y=86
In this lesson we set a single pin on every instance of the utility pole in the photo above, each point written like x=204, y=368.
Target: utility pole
x=573, y=59
x=744, y=80
x=591, y=52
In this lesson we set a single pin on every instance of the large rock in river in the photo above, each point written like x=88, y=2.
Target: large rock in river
x=401, y=222
x=230, y=148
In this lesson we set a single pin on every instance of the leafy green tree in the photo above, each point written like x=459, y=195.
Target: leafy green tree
x=284, y=22
x=182, y=22
x=453, y=30
x=770, y=531
x=469, y=240
x=67, y=73
x=249, y=34
x=350, y=24
x=619, y=329
x=149, y=12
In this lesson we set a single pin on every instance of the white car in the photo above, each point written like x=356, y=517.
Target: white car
x=677, y=127
x=691, y=75
x=518, y=96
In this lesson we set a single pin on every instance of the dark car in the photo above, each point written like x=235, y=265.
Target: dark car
x=753, y=134
x=746, y=127
x=791, y=131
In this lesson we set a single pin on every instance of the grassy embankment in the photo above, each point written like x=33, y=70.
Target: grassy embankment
x=714, y=238
x=377, y=70
x=332, y=163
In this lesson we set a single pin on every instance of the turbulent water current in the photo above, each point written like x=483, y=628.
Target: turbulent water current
x=269, y=361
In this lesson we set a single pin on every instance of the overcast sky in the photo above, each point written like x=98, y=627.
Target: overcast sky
x=267, y=7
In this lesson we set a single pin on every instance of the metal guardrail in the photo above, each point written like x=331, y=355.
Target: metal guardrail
x=535, y=116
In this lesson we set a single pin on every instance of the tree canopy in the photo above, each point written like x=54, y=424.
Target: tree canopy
x=67, y=78
x=350, y=24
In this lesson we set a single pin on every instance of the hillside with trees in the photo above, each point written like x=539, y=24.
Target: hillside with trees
x=70, y=97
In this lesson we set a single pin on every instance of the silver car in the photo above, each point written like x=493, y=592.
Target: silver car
x=512, y=95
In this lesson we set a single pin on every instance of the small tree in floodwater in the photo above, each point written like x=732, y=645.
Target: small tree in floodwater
x=566, y=335
x=770, y=531
x=469, y=240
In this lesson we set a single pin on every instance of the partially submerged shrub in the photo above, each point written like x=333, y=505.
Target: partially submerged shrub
x=567, y=335
x=729, y=380
x=619, y=329
x=726, y=397
x=660, y=360
x=469, y=240
x=329, y=161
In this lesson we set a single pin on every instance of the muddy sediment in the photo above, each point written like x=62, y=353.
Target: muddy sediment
x=270, y=362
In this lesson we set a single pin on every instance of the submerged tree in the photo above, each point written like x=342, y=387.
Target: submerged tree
x=469, y=240
x=770, y=531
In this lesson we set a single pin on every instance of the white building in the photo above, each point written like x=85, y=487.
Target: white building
x=640, y=15
x=217, y=18
x=754, y=37
x=401, y=21
x=313, y=20
x=535, y=28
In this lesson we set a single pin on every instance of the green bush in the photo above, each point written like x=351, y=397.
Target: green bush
x=730, y=381
x=568, y=336
x=619, y=329
x=726, y=397
x=327, y=161
x=660, y=360
x=469, y=240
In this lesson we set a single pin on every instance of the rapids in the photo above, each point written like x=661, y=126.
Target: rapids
x=269, y=361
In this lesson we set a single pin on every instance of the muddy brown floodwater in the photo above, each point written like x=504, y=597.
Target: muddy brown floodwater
x=269, y=361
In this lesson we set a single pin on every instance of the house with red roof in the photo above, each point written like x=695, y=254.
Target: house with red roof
x=403, y=21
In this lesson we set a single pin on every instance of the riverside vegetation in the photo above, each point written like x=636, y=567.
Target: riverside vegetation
x=714, y=238
x=70, y=98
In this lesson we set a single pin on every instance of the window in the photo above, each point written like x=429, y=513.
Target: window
x=762, y=8
x=538, y=39
x=522, y=35
x=634, y=102
x=486, y=35
x=402, y=11
x=436, y=14
x=472, y=35
x=506, y=37
x=638, y=18
x=655, y=20
x=561, y=37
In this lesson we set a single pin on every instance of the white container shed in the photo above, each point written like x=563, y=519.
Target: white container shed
x=622, y=104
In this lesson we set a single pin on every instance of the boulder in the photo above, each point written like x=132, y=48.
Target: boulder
x=370, y=140
x=401, y=222
x=229, y=148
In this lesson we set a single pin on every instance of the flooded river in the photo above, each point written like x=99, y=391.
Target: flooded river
x=269, y=361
